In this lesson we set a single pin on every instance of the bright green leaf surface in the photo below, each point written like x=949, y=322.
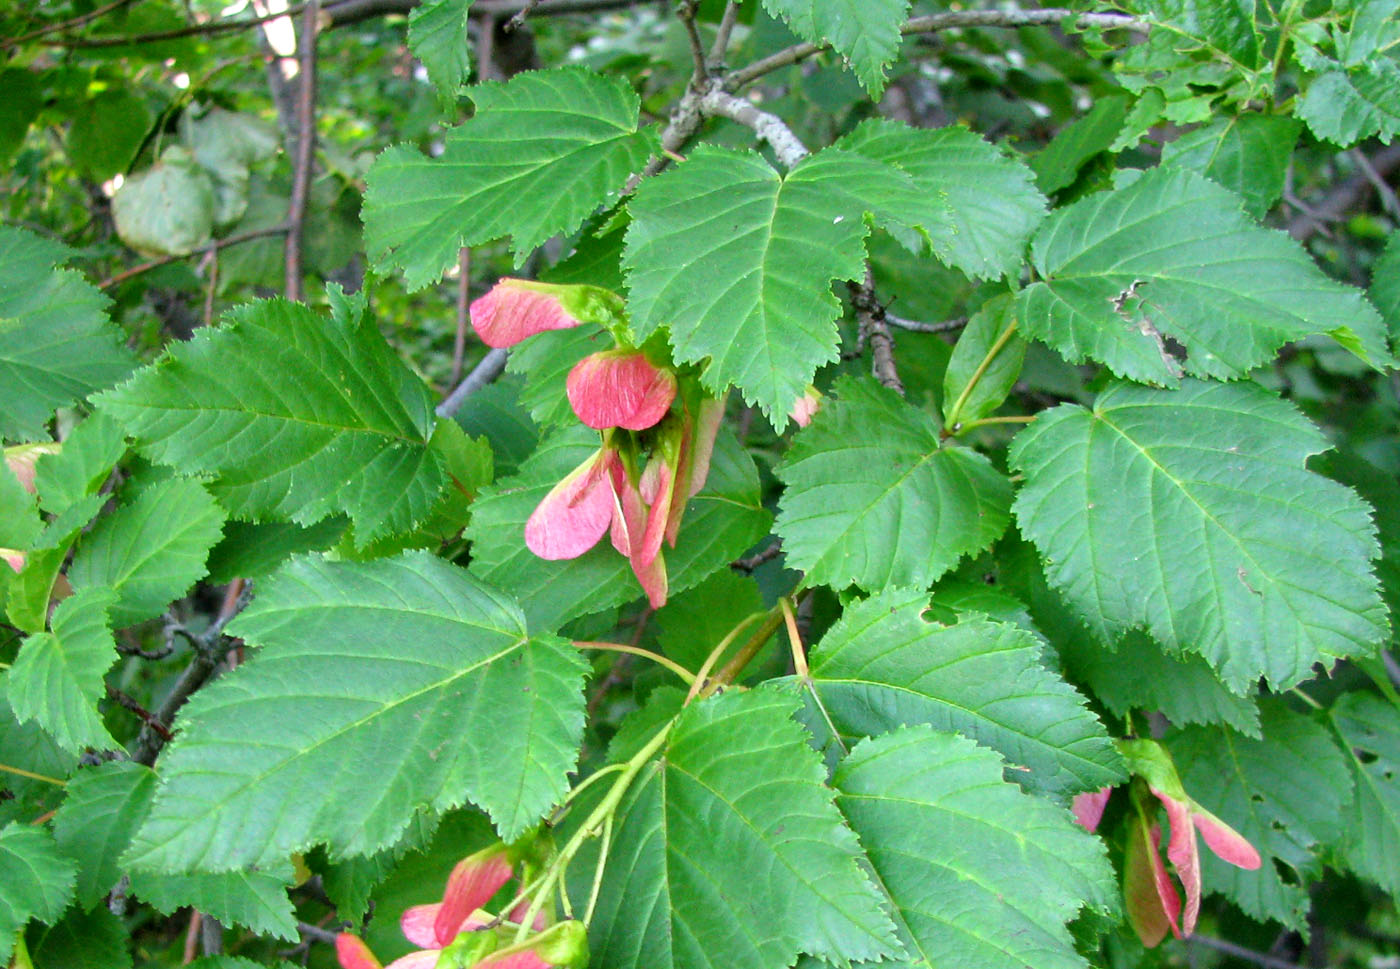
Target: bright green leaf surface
x=1346, y=106
x=544, y=361
x=57, y=678
x=720, y=524
x=1138, y=674
x=20, y=523
x=253, y=549
x=500, y=174
x=1059, y=162
x=977, y=204
x=729, y=853
x=979, y=873
x=737, y=261
x=1370, y=728
x=1171, y=256
x=88, y=456
x=1248, y=154
x=401, y=668
x=1190, y=512
x=1385, y=285
x=38, y=880
x=255, y=899
x=103, y=807
x=151, y=549
x=882, y=666
x=865, y=32
x=437, y=35
x=298, y=415
x=982, y=334
x=56, y=343
x=874, y=499
x=1286, y=792
x=107, y=131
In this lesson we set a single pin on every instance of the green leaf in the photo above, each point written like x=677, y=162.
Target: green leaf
x=721, y=523
x=251, y=550
x=1345, y=107
x=256, y=899
x=499, y=174
x=737, y=261
x=29, y=592
x=1137, y=674
x=151, y=549
x=102, y=808
x=402, y=667
x=1385, y=285
x=89, y=453
x=1248, y=155
x=57, y=679
x=983, y=332
x=56, y=343
x=1287, y=792
x=979, y=874
x=20, y=523
x=495, y=412
x=437, y=35
x=299, y=416
x=238, y=962
x=106, y=131
x=882, y=666
x=691, y=625
x=728, y=852
x=84, y=940
x=1227, y=28
x=864, y=32
x=38, y=880
x=874, y=499
x=1171, y=257
x=1059, y=162
x=168, y=209
x=1190, y=513
x=544, y=361
x=1370, y=730
x=226, y=145
x=977, y=204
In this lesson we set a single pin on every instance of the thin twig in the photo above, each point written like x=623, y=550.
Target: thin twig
x=686, y=12
x=870, y=316
x=305, y=154
x=726, y=27
x=487, y=370
x=191, y=948
x=937, y=22
x=1343, y=196
x=210, y=28
x=316, y=932
x=750, y=564
x=918, y=326
x=212, y=246
x=147, y=717
x=459, y=339
x=1389, y=202
x=1240, y=952
x=65, y=25
x=772, y=129
x=521, y=15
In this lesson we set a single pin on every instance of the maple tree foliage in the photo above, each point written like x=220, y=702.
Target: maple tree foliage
x=685, y=484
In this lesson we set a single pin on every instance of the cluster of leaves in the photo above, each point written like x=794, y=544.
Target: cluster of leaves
x=1145, y=487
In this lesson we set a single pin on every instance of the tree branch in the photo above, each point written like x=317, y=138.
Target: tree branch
x=482, y=374
x=212, y=246
x=726, y=28
x=718, y=102
x=305, y=151
x=65, y=25
x=937, y=22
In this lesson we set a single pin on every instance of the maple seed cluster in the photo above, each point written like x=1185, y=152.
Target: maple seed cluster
x=456, y=933
x=627, y=397
x=1152, y=902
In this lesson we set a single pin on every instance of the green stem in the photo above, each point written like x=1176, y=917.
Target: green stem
x=746, y=652
x=598, y=870
x=956, y=412
x=670, y=664
x=1011, y=419
x=606, y=808
x=702, y=677
x=31, y=775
